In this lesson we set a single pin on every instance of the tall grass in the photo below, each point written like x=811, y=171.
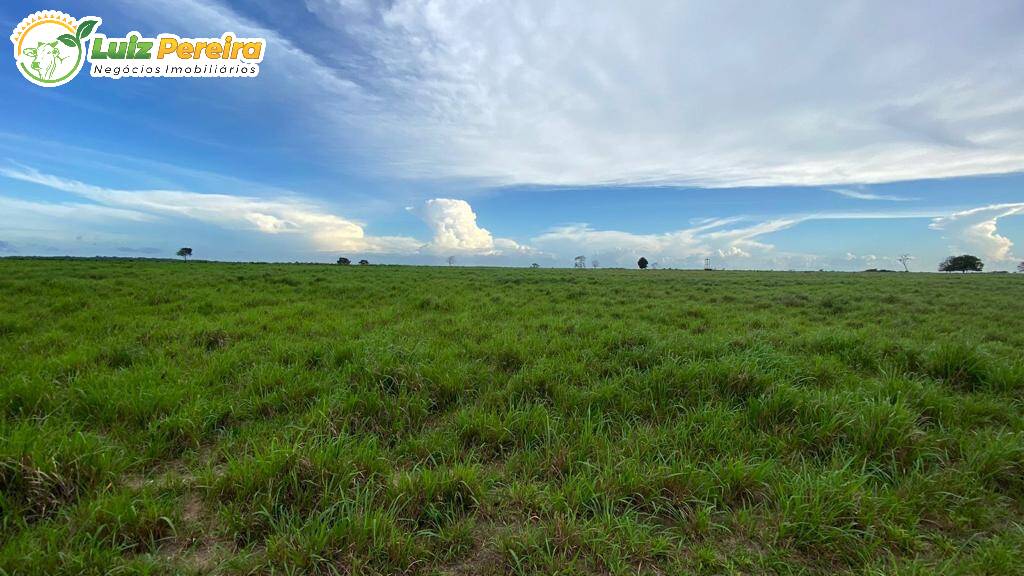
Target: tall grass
x=159, y=418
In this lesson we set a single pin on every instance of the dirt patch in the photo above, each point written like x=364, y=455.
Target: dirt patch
x=484, y=560
x=197, y=548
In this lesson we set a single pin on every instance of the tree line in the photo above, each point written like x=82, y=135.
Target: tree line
x=963, y=263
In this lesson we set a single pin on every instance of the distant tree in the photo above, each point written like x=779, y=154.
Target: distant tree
x=642, y=263
x=344, y=261
x=185, y=253
x=595, y=264
x=364, y=262
x=905, y=259
x=534, y=265
x=579, y=262
x=1020, y=267
x=964, y=263
x=451, y=260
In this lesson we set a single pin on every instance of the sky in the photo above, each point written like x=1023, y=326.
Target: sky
x=801, y=135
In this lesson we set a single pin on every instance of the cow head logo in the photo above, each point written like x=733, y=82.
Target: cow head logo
x=49, y=46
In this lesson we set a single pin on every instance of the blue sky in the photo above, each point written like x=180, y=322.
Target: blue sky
x=812, y=135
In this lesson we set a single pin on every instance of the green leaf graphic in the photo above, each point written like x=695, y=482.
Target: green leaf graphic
x=85, y=28
x=68, y=40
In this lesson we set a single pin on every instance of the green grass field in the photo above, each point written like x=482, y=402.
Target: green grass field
x=164, y=417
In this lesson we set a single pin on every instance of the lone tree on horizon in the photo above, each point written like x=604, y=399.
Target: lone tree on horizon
x=185, y=253
x=1020, y=267
x=642, y=263
x=364, y=262
x=905, y=259
x=344, y=261
x=579, y=262
x=964, y=263
x=451, y=260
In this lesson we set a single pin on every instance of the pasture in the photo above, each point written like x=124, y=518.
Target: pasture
x=193, y=418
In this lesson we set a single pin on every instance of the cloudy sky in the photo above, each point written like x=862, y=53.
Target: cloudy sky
x=781, y=135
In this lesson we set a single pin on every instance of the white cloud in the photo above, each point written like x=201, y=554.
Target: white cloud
x=868, y=258
x=35, y=225
x=296, y=71
x=975, y=230
x=716, y=94
x=453, y=223
x=861, y=195
x=737, y=242
x=286, y=215
x=705, y=239
x=732, y=242
x=733, y=252
x=14, y=212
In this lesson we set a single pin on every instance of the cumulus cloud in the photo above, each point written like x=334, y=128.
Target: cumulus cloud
x=868, y=258
x=739, y=241
x=721, y=237
x=454, y=226
x=743, y=242
x=453, y=223
x=733, y=251
x=976, y=230
x=285, y=216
